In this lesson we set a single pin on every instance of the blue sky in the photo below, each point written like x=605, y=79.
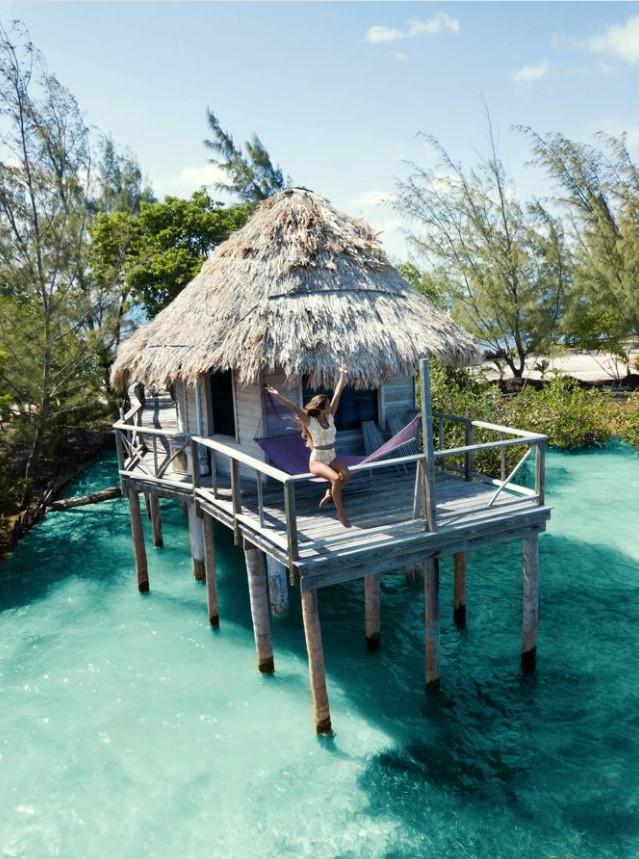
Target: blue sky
x=338, y=91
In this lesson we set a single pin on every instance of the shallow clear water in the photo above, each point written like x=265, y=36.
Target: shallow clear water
x=131, y=729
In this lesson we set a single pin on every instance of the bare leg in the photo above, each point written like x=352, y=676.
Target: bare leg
x=327, y=497
x=335, y=479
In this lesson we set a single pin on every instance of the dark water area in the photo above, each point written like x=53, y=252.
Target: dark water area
x=131, y=729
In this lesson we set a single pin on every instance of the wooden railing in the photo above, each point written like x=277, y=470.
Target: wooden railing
x=508, y=437
x=148, y=452
x=282, y=530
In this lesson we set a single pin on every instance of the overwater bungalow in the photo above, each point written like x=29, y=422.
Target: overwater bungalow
x=299, y=290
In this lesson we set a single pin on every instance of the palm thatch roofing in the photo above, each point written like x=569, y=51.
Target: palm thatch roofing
x=301, y=287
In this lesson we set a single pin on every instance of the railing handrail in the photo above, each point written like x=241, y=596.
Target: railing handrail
x=142, y=430
x=486, y=425
x=245, y=458
x=531, y=438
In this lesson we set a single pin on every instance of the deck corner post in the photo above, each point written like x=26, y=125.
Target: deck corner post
x=277, y=575
x=258, y=596
x=530, y=604
x=431, y=613
x=137, y=532
x=459, y=595
x=210, y=570
x=313, y=634
x=156, y=520
x=197, y=543
x=428, y=472
x=372, y=603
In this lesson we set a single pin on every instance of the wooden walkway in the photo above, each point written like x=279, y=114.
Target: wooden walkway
x=384, y=536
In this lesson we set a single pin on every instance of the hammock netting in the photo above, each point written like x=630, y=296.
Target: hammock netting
x=279, y=436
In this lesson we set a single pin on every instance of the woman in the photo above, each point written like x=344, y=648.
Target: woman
x=318, y=428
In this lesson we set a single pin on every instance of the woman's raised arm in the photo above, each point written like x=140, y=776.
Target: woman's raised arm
x=300, y=414
x=341, y=384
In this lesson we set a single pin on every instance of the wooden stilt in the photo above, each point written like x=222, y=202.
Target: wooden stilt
x=258, y=594
x=147, y=504
x=197, y=544
x=530, y=613
x=372, y=587
x=210, y=568
x=313, y=633
x=277, y=586
x=459, y=598
x=431, y=593
x=156, y=520
x=414, y=573
x=137, y=531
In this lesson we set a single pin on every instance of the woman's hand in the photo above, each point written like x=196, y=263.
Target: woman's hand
x=270, y=390
x=343, y=370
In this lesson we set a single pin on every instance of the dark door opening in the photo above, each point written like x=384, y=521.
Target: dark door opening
x=222, y=403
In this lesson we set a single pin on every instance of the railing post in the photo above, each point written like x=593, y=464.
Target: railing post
x=260, y=498
x=120, y=455
x=430, y=504
x=540, y=471
x=235, y=498
x=291, y=524
x=155, y=456
x=469, y=438
x=195, y=464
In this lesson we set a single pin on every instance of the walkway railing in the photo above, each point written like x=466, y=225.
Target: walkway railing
x=147, y=454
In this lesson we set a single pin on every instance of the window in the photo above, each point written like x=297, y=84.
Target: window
x=354, y=406
x=222, y=405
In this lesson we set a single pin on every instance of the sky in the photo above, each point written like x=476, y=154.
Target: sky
x=341, y=93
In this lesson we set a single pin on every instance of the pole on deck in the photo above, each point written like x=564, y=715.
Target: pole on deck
x=431, y=594
x=428, y=469
x=137, y=531
x=530, y=604
x=459, y=597
x=156, y=520
x=313, y=634
x=258, y=595
x=210, y=570
x=197, y=543
x=372, y=588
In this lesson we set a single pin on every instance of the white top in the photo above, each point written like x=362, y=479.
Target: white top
x=322, y=436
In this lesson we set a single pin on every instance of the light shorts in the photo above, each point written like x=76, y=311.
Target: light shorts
x=325, y=456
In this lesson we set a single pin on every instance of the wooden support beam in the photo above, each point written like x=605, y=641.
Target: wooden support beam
x=313, y=634
x=147, y=503
x=372, y=588
x=156, y=520
x=91, y=498
x=258, y=595
x=197, y=544
x=210, y=569
x=413, y=573
x=137, y=531
x=530, y=604
x=459, y=597
x=431, y=593
x=277, y=575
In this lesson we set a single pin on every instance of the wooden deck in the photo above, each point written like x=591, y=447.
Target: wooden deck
x=384, y=536
x=387, y=533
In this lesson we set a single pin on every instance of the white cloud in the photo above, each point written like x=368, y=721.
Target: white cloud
x=399, y=56
x=531, y=73
x=188, y=180
x=372, y=198
x=620, y=41
x=437, y=23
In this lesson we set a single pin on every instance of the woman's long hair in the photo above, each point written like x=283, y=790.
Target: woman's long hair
x=312, y=409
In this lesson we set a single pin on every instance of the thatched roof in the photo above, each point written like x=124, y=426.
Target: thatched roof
x=302, y=287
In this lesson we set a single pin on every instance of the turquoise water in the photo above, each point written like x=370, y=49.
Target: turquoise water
x=131, y=729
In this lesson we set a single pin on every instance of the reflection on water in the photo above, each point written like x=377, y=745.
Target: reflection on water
x=131, y=729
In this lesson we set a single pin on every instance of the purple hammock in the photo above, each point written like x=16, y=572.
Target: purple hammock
x=289, y=452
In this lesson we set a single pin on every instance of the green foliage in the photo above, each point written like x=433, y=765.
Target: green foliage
x=504, y=266
x=600, y=188
x=155, y=255
x=427, y=284
x=252, y=177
